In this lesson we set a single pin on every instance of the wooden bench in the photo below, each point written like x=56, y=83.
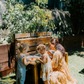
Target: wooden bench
x=34, y=39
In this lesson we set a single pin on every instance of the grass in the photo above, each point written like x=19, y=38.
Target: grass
x=9, y=79
x=75, y=64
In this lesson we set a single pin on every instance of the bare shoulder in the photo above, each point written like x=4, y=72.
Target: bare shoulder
x=44, y=55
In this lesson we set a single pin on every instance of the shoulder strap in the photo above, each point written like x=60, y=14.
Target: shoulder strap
x=22, y=56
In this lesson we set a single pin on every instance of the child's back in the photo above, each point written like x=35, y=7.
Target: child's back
x=21, y=70
x=21, y=63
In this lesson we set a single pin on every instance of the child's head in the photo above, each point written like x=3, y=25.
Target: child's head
x=22, y=46
x=41, y=48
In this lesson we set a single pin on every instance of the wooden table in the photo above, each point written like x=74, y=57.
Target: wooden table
x=35, y=72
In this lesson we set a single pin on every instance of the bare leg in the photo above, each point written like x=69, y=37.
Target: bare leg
x=46, y=82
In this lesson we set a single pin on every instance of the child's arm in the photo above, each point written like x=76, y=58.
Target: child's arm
x=25, y=61
x=43, y=61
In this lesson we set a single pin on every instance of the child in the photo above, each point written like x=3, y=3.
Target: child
x=21, y=62
x=46, y=68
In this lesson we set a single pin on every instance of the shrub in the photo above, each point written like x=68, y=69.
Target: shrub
x=22, y=18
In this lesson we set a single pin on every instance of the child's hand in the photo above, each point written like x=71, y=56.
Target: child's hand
x=28, y=62
x=38, y=58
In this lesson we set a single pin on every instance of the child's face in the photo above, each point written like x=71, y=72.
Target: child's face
x=51, y=46
x=41, y=51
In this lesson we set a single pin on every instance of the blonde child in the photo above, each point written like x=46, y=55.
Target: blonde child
x=21, y=62
x=46, y=68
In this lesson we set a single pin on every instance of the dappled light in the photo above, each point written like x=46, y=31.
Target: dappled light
x=9, y=79
x=77, y=51
x=75, y=64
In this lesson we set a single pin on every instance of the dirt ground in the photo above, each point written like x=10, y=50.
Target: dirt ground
x=75, y=64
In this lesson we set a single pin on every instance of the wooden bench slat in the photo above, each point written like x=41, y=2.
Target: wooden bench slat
x=3, y=57
x=27, y=35
x=22, y=35
x=34, y=41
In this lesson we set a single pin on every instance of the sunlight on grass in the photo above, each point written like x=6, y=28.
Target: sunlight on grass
x=76, y=64
x=9, y=79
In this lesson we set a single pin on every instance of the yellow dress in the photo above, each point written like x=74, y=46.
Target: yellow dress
x=60, y=73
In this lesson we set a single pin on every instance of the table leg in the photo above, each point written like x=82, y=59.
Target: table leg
x=35, y=74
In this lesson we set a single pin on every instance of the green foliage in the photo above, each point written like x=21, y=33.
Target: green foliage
x=76, y=9
x=63, y=25
x=22, y=18
x=42, y=3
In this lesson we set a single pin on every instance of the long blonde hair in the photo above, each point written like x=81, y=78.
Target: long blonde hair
x=57, y=57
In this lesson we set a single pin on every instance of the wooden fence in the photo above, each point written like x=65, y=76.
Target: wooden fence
x=7, y=62
x=72, y=42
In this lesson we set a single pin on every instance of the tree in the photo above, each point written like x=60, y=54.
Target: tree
x=76, y=9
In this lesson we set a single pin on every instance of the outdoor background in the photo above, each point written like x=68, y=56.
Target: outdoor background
x=65, y=19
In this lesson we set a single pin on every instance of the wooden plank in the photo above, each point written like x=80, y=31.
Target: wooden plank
x=3, y=57
x=6, y=72
x=32, y=48
x=32, y=52
x=3, y=48
x=4, y=66
x=44, y=33
x=30, y=39
x=22, y=35
x=27, y=35
x=41, y=34
x=35, y=74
